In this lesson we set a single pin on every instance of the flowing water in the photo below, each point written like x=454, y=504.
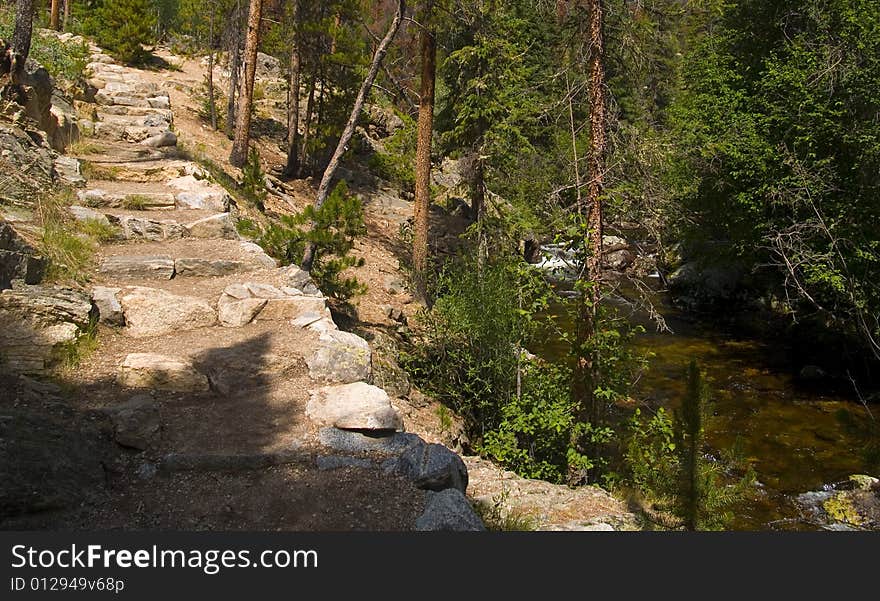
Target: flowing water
x=796, y=437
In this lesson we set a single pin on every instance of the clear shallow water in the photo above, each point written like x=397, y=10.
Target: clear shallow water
x=797, y=438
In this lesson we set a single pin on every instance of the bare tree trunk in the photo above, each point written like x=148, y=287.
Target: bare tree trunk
x=67, y=4
x=234, y=69
x=212, y=105
x=292, y=167
x=238, y=156
x=342, y=146
x=422, y=204
x=21, y=36
x=55, y=15
x=586, y=377
x=307, y=129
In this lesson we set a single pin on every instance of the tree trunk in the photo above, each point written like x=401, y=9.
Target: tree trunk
x=21, y=36
x=422, y=204
x=292, y=167
x=212, y=105
x=55, y=15
x=238, y=156
x=342, y=146
x=307, y=128
x=67, y=4
x=586, y=376
x=234, y=69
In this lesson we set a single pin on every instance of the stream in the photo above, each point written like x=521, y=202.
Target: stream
x=797, y=437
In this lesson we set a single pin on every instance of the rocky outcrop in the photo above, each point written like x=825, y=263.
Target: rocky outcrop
x=18, y=259
x=36, y=322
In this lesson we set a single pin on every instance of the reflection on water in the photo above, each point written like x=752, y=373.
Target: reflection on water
x=797, y=439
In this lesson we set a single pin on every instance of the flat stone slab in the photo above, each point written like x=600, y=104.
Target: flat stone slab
x=152, y=312
x=348, y=441
x=356, y=406
x=238, y=313
x=87, y=214
x=201, y=268
x=143, y=228
x=161, y=372
x=97, y=197
x=154, y=267
x=242, y=303
x=195, y=193
x=342, y=357
x=136, y=422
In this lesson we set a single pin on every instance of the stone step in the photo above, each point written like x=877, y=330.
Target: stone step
x=161, y=101
x=186, y=192
x=161, y=372
x=220, y=226
x=164, y=267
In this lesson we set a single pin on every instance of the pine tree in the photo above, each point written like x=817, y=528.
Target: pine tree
x=123, y=27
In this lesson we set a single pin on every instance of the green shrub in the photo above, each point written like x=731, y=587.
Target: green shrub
x=123, y=27
x=332, y=228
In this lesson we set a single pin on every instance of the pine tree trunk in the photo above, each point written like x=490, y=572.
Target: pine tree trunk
x=342, y=146
x=234, y=69
x=307, y=128
x=238, y=156
x=292, y=167
x=66, y=14
x=21, y=36
x=421, y=207
x=55, y=15
x=212, y=105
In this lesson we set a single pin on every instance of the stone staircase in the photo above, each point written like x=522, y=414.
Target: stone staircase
x=211, y=356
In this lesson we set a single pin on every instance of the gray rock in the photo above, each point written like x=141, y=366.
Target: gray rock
x=220, y=226
x=166, y=138
x=69, y=172
x=259, y=255
x=201, y=268
x=139, y=267
x=159, y=102
x=142, y=228
x=195, y=193
x=394, y=285
x=347, y=441
x=432, y=467
x=619, y=259
x=335, y=462
x=136, y=422
x=18, y=259
x=449, y=510
x=161, y=372
x=342, y=357
x=237, y=313
x=295, y=277
x=356, y=406
x=152, y=312
x=108, y=306
x=306, y=319
x=291, y=307
x=86, y=214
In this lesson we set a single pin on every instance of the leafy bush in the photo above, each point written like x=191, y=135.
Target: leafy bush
x=123, y=27
x=332, y=228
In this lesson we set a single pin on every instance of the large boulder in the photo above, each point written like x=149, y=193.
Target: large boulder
x=356, y=406
x=432, y=467
x=220, y=226
x=107, y=304
x=449, y=510
x=194, y=193
x=161, y=372
x=27, y=161
x=341, y=357
x=152, y=312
